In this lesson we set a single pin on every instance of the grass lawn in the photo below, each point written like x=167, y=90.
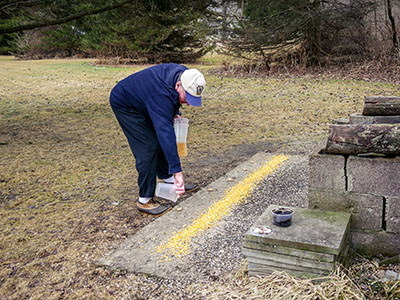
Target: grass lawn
x=67, y=177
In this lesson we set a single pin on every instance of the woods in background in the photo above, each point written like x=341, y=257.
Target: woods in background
x=304, y=32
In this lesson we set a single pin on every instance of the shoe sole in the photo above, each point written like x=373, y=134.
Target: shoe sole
x=144, y=212
x=192, y=190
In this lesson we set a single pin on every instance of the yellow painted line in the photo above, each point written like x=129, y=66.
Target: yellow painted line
x=178, y=245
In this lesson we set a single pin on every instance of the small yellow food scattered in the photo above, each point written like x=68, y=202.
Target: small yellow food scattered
x=229, y=179
x=178, y=245
x=179, y=209
x=210, y=189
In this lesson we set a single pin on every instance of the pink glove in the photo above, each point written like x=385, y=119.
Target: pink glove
x=180, y=185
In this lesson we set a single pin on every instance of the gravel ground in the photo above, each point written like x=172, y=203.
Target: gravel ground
x=218, y=252
x=217, y=256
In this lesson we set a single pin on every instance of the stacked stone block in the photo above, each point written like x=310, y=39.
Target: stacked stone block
x=310, y=247
x=367, y=185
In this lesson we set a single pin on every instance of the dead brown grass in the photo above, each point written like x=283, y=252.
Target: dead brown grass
x=67, y=178
x=281, y=286
x=363, y=280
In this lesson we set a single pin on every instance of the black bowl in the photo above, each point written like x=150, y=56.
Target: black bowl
x=282, y=216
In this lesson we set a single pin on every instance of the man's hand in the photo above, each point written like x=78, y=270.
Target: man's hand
x=180, y=185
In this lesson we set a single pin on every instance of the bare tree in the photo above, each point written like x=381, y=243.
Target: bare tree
x=299, y=31
x=395, y=37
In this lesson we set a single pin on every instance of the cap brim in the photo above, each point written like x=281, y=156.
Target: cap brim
x=192, y=100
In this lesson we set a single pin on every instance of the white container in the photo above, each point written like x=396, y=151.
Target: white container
x=181, y=126
x=166, y=191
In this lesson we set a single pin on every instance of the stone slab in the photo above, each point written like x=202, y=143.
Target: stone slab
x=286, y=260
x=366, y=210
x=356, y=139
x=361, y=119
x=276, y=266
x=311, y=230
x=263, y=270
x=327, y=172
x=392, y=214
x=138, y=253
x=381, y=105
x=376, y=243
x=377, y=176
x=302, y=254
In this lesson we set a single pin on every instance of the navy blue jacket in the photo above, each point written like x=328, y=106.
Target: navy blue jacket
x=152, y=93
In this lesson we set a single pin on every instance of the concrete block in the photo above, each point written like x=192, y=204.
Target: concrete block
x=377, y=176
x=374, y=243
x=278, y=260
x=281, y=266
x=311, y=230
x=302, y=254
x=393, y=225
x=392, y=215
x=327, y=172
x=366, y=210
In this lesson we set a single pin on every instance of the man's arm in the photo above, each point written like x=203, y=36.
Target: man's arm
x=161, y=112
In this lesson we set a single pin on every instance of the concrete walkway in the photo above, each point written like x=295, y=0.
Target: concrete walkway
x=201, y=237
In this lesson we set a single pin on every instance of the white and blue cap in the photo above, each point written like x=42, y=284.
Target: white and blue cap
x=194, y=84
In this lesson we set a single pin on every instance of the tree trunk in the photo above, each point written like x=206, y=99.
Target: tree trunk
x=395, y=38
x=364, y=138
x=381, y=106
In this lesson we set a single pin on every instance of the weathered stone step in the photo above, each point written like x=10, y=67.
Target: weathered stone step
x=289, y=251
x=286, y=260
x=311, y=230
x=253, y=262
x=311, y=246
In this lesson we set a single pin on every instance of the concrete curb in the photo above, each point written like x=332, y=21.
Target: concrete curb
x=138, y=254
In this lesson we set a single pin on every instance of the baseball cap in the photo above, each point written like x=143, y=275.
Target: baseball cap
x=193, y=83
